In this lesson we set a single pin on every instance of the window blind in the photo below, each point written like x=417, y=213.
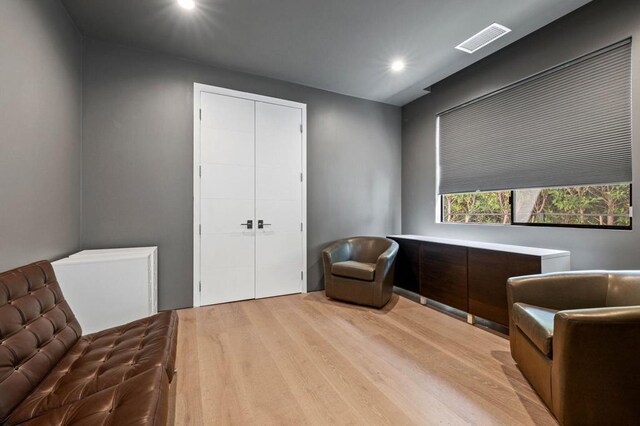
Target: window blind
x=570, y=125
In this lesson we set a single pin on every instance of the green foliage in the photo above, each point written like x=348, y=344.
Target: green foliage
x=605, y=205
x=479, y=207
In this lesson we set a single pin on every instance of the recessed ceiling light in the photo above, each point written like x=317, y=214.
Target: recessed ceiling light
x=187, y=4
x=397, y=65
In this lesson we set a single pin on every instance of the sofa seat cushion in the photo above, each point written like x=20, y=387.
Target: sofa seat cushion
x=537, y=324
x=150, y=340
x=103, y=360
x=356, y=270
x=140, y=400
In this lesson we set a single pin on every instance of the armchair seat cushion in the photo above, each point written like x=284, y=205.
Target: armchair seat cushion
x=537, y=324
x=356, y=270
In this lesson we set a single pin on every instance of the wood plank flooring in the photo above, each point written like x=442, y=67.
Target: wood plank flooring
x=307, y=360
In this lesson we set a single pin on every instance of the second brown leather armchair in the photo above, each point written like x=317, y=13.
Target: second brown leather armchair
x=360, y=270
x=576, y=338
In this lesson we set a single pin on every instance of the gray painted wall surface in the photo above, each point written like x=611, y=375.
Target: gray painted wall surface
x=138, y=159
x=40, y=132
x=596, y=25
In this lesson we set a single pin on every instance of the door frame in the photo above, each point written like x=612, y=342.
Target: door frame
x=198, y=89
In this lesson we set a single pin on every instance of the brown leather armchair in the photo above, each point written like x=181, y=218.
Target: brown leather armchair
x=576, y=338
x=360, y=270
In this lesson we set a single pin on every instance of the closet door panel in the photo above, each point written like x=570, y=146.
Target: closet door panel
x=288, y=211
x=276, y=249
x=227, y=182
x=236, y=283
x=279, y=255
x=277, y=280
x=278, y=185
x=279, y=143
x=227, y=127
x=227, y=147
x=227, y=194
x=228, y=113
x=223, y=218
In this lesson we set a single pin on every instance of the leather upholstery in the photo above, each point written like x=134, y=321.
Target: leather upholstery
x=101, y=360
x=536, y=323
x=115, y=376
x=624, y=289
x=367, y=249
x=37, y=328
x=535, y=365
x=141, y=400
x=356, y=287
x=594, y=374
x=355, y=270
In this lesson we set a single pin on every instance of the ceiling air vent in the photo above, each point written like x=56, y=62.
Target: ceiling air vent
x=484, y=37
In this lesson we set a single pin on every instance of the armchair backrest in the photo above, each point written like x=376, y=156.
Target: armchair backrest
x=560, y=290
x=576, y=289
x=368, y=249
x=37, y=328
x=624, y=288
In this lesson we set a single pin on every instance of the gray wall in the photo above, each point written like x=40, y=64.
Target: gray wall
x=138, y=161
x=40, y=132
x=596, y=25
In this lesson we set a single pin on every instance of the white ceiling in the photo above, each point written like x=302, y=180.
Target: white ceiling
x=343, y=46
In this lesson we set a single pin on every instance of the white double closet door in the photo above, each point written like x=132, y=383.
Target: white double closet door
x=251, y=199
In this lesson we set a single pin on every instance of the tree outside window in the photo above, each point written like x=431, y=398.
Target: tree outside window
x=606, y=206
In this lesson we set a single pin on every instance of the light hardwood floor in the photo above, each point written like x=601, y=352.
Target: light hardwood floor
x=306, y=360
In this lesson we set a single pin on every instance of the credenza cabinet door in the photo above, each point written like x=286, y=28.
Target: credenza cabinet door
x=443, y=274
x=488, y=274
x=407, y=275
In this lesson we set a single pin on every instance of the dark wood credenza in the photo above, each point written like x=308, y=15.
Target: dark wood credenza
x=469, y=275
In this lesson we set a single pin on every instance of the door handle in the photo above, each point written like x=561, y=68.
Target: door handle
x=261, y=224
x=249, y=224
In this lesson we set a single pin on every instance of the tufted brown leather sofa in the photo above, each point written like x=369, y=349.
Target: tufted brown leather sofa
x=360, y=270
x=52, y=375
x=576, y=338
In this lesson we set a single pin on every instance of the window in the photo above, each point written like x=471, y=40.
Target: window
x=477, y=207
x=602, y=206
x=553, y=149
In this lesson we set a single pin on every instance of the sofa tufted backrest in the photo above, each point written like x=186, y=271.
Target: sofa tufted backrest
x=37, y=328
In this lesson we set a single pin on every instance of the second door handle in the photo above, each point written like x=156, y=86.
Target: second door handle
x=261, y=224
